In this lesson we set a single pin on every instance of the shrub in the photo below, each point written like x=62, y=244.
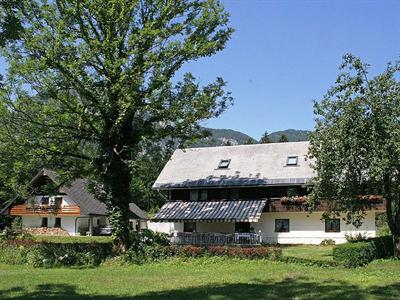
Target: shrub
x=148, y=237
x=360, y=253
x=356, y=238
x=354, y=254
x=327, y=242
x=53, y=254
x=309, y=262
x=13, y=255
x=235, y=252
x=146, y=253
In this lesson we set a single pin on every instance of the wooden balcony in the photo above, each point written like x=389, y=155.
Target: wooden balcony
x=44, y=210
x=216, y=239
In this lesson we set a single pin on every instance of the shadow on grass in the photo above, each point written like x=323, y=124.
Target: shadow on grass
x=288, y=288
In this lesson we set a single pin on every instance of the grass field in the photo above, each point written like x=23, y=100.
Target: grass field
x=215, y=278
x=323, y=253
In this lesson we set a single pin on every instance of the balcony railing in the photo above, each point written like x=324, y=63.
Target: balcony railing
x=211, y=238
x=25, y=210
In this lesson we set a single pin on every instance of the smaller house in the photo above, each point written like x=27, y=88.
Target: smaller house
x=72, y=208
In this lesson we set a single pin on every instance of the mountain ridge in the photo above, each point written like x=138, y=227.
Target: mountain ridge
x=224, y=137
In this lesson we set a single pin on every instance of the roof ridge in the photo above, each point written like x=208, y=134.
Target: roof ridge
x=242, y=145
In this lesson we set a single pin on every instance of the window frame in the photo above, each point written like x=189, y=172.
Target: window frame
x=292, y=157
x=56, y=224
x=191, y=224
x=288, y=225
x=292, y=191
x=45, y=200
x=58, y=200
x=242, y=227
x=203, y=195
x=45, y=224
x=331, y=220
x=224, y=164
x=194, y=193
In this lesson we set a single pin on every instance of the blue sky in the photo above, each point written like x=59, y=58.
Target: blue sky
x=284, y=54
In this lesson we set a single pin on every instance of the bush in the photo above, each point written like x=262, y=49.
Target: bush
x=354, y=254
x=356, y=238
x=235, y=252
x=360, y=253
x=53, y=254
x=13, y=255
x=309, y=262
x=327, y=242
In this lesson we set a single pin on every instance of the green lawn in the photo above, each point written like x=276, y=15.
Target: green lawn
x=312, y=252
x=214, y=278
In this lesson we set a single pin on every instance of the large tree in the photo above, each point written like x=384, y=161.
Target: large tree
x=92, y=82
x=356, y=143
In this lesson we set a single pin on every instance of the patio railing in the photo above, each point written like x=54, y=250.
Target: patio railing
x=211, y=238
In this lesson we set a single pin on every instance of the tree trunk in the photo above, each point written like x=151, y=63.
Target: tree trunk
x=396, y=245
x=116, y=179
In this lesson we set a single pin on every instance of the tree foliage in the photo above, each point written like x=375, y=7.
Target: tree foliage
x=265, y=138
x=91, y=83
x=356, y=143
x=283, y=139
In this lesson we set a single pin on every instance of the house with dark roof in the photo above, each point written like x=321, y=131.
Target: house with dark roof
x=247, y=194
x=71, y=207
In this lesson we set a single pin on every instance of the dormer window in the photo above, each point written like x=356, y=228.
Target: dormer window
x=224, y=164
x=45, y=200
x=292, y=160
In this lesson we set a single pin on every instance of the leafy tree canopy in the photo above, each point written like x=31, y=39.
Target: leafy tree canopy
x=356, y=143
x=265, y=138
x=283, y=139
x=91, y=83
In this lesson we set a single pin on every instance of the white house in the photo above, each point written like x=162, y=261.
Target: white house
x=247, y=194
x=72, y=208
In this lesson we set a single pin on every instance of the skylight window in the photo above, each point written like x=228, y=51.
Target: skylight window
x=292, y=161
x=224, y=164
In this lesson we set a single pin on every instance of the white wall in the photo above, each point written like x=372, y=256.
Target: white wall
x=308, y=228
x=67, y=223
x=37, y=200
x=221, y=227
x=165, y=227
x=303, y=228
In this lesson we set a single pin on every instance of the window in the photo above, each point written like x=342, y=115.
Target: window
x=189, y=227
x=58, y=202
x=234, y=194
x=44, y=222
x=194, y=195
x=291, y=191
x=292, y=161
x=44, y=201
x=281, y=225
x=223, y=194
x=332, y=225
x=203, y=195
x=242, y=227
x=224, y=164
x=57, y=223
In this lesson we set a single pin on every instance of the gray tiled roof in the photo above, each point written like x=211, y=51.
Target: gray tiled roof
x=222, y=211
x=79, y=193
x=250, y=165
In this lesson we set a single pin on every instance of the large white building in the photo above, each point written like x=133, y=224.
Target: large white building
x=247, y=194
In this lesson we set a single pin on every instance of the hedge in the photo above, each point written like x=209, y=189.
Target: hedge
x=360, y=253
x=41, y=254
